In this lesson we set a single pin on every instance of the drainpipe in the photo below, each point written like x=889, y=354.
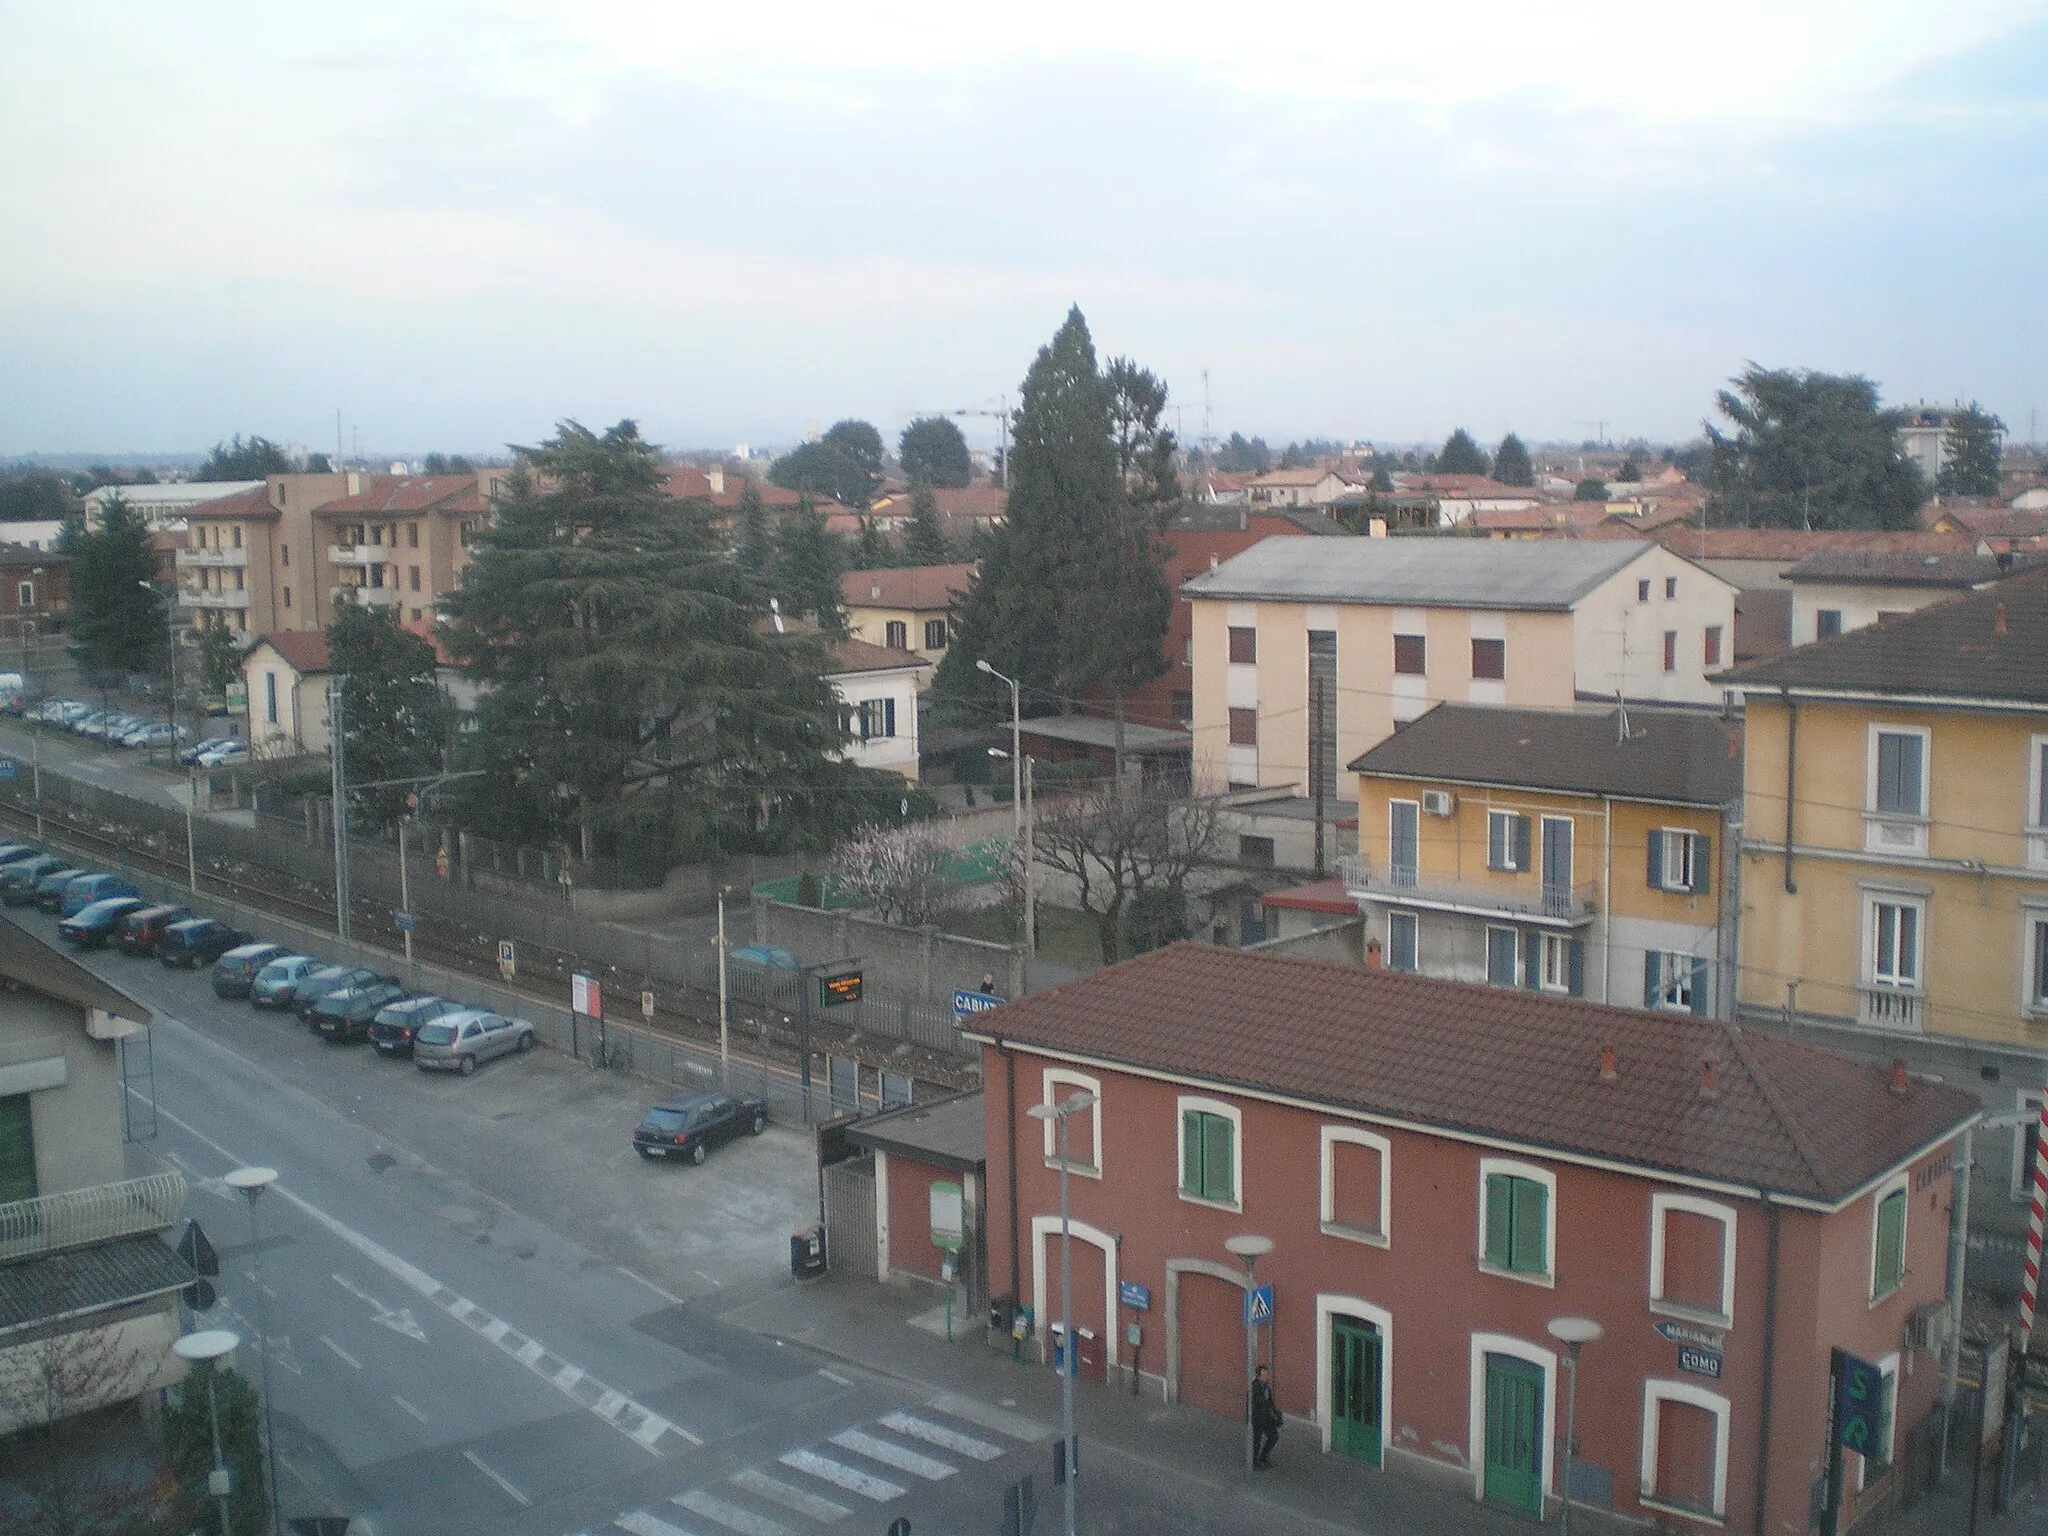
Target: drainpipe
x=1791, y=767
x=1763, y=1416
x=1010, y=1158
x=1958, y=1249
x=1607, y=897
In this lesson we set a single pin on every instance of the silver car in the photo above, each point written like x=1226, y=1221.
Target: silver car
x=456, y=1042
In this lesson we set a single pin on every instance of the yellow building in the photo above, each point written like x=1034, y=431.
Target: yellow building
x=906, y=609
x=1581, y=852
x=1895, y=844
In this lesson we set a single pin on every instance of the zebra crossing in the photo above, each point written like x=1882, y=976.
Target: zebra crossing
x=810, y=1488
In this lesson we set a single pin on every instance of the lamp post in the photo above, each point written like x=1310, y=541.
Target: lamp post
x=1574, y=1333
x=1016, y=746
x=1250, y=1248
x=1060, y=1113
x=207, y=1348
x=252, y=1182
x=1030, y=867
x=171, y=664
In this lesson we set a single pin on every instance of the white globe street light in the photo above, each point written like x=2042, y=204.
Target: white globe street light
x=1574, y=1333
x=207, y=1348
x=252, y=1182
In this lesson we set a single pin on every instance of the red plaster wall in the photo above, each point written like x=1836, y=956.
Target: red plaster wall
x=910, y=1215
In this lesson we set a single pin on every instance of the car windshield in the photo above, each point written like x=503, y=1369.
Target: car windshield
x=662, y=1119
x=282, y=970
x=437, y=1034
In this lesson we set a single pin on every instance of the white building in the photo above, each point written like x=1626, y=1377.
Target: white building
x=878, y=688
x=163, y=507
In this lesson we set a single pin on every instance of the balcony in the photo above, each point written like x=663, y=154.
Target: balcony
x=79, y=1218
x=204, y=559
x=367, y=597
x=353, y=555
x=1529, y=901
x=192, y=599
x=1884, y=1007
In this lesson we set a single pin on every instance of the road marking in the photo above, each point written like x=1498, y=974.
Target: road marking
x=398, y=1319
x=712, y=1279
x=345, y=1355
x=881, y=1490
x=668, y=1296
x=834, y=1376
x=499, y=1478
x=1014, y=1425
x=939, y=1435
x=890, y=1454
x=640, y=1523
x=729, y=1514
x=408, y=1407
x=640, y=1424
x=528, y=1353
x=762, y=1486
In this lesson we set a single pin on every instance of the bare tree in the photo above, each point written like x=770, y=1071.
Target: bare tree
x=1129, y=857
x=900, y=872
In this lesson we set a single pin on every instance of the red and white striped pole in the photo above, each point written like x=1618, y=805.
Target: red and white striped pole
x=2030, y=1285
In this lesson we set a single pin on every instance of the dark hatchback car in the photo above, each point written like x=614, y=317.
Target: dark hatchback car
x=692, y=1126
x=18, y=880
x=346, y=1014
x=50, y=888
x=234, y=973
x=279, y=979
x=94, y=886
x=330, y=978
x=197, y=941
x=141, y=928
x=92, y=925
x=397, y=1023
x=14, y=853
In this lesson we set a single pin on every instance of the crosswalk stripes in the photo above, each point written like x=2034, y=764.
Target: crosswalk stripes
x=640, y=1523
x=840, y=1475
x=699, y=1501
x=939, y=1435
x=889, y=1454
x=775, y=1491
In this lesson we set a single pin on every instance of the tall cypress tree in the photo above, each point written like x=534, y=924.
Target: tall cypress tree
x=1970, y=448
x=1511, y=464
x=809, y=560
x=924, y=539
x=753, y=543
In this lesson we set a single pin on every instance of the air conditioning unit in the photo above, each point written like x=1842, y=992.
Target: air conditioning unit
x=1927, y=1328
x=1439, y=802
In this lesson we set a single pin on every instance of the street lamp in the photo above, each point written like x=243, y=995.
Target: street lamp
x=252, y=1182
x=1060, y=1113
x=1016, y=745
x=1574, y=1333
x=207, y=1348
x=171, y=653
x=1249, y=1247
x=1030, y=868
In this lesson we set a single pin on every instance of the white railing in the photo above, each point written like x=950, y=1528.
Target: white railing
x=1571, y=903
x=188, y=558
x=367, y=597
x=100, y=1213
x=192, y=598
x=1890, y=1007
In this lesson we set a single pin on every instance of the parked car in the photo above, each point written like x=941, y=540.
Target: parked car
x=50, y=888
x=274, y=984
x=18, y=881
x=197, y=941
x=690, y=1127
x=234, y=973
x=456, y=1042
x=224, y=754
x=14, y=853
x=155, y=734
x=346, y=1015
x=92, y=886
x=92, y=925
x=141, y=928
x=330, y=978
x=391, y=1031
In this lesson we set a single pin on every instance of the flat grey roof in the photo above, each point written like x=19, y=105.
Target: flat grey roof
x=948, y=1133
x=1094, y=731
x=1445, y=572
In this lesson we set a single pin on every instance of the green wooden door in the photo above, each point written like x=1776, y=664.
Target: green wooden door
x=1514, y=1433
x=1355, y=1389
x=17, y=1151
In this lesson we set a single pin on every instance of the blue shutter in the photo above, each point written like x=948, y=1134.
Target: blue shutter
x=1578, y=968
x=1532, y=960
x=1699, y=986
x=888, y=717
x=1702, y=863
x=1653, y=978
x=1656, y=875
x=1521, y=825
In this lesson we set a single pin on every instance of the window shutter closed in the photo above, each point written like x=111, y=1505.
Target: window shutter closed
x=1578, y=968
x=888, y=717
x=1216, y=1180
x=1521, y=843
x=1528, y=1256
x=1891, y=1241
x=1702, y=863
x=1656, y=861
x=1191, y=1152
x=1699, y=986
x=1532, y=960
x=17, y=1150
x=1500, y=1218
x=1653, y=978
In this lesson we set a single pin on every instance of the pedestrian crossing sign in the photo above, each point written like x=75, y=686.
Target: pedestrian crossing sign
x=1258, y=1306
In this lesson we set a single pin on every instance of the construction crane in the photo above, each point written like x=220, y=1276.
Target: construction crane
x=1002, y=416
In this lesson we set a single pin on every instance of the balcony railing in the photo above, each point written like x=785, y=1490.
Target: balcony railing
x=79, y=1218
x=190, y=559
x=360, y=554
x=367, y=597
x=1540, y=901
x=190, y=598
x=1889, y=1007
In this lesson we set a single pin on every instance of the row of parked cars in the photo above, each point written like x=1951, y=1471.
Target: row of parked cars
x=97, y=909
x=122, y=729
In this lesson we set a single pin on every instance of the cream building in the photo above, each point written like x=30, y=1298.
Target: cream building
x=906, y=609
x=878, y=689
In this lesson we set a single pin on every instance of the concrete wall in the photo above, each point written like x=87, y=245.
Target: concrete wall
x=77, y=1125
x=1618, y=636
x=920, y=963
x=1859, y=605
x=1339, y=939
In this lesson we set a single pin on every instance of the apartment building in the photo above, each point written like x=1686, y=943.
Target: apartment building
x=1315, y=650
x=401, y=542
x=1895, y=827
x=1834, y=591
x=1582, y=853
x=1441, y=1171
x=249, y=561
x=906, y=609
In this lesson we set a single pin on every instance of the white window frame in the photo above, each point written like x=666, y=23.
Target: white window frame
x=1680, y=851
x=1500, y=826
x=1882, y=829
x=2033, y=935
x=1537, y=1174
x=1671, y=978
x=2037, y=830
x=1059, y=1083
x=1416, y=806
x=1873, y=898
x=1334, y=1136
x=1656, y=1393
x=1888, y=1368
x=1487, y=956
x=1880, y=728
x=1555, y=953
x=1661, y=1206
x=1190, y=1101
x=1878, y=1196
x=1482, y=1345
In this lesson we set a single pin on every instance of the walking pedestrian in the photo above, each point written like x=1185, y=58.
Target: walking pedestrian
x=1266, y=1418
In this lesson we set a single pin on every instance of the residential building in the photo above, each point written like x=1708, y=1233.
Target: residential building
x=906, y=609
x=164, y=507
x=88, y=1289
x=1895, y=829
x=964, y=511
x=2022, y=525
x=1454, y=499
x=1443, y=1169
x=250, y=559
x=33, y=533
x=35, y=597
x=878, y=689
x=1578, y=852
x=286, y=674
x=1834, y=591
x=1312, y=487
x=1923, y=437
x=401, y=542
x=1328, y=647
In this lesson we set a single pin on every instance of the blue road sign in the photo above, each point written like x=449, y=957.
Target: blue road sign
x=404, y=919
x=9, y=768
x=1133, y=1295
x=966, y=1004
x=1258, y=1306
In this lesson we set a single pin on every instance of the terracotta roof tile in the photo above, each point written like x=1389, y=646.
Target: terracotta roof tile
x=849, y=656
x=305, y=649
x=1488, y=1061
x=918, y=586
x=253, y=505
x=396, y=495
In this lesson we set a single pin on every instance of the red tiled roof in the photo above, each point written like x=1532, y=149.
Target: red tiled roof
x=1996, y=522
x=1792, y=544
x=686, y=482
x=982, y=503
x=859, y=656
x=929, y=587
x=1320, y=896
x=396, y=495
x=1570, y=517
x=252, y=505
x=305, y=649
x=1463, y=487
x=1498, y=1062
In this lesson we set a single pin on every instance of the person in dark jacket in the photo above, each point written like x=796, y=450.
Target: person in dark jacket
x=1265, y=1418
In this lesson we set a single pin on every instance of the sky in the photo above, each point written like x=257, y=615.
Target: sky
x=456, y=222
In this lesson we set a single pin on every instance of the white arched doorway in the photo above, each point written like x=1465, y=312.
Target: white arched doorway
x=1095, y=1314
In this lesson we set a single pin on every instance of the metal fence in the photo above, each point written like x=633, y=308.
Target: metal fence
x=99, y=1213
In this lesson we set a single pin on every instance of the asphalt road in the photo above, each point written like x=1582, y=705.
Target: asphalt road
x=487, y=1314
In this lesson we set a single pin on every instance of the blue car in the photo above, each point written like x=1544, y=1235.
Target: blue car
x=89, y=888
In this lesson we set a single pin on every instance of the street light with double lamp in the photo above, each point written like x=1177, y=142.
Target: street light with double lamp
x=252, y=1182
x=1574, y=1333
x=1016, y=745
x=1069, y=1461
x=209, y=1348
x=1250, y=1248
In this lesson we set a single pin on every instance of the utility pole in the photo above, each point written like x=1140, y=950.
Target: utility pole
x=336, y=757
x=405, y=902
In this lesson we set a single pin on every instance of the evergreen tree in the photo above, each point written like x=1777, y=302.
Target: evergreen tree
x=1382, y=483
x=1809, y=450
x=1461, y=456
x=861, y=443
x=1630, y=472
x=244, y=461
x=932, y=452
x=119, y=624
x=809, y=560
x=35, y=496
x=1145, y=449
x=1971, y=446
x=753, y=542
x=924, y=540
x=1511, y=464
x=446, y=464
x=871, y=551
x=1590, y=489
x=220, y=658
x=396, y=721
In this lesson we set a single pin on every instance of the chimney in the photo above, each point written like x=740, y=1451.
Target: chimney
x=1710, y=1078
x=1899, y=1075
x=1214, y=560
x=1607, y=1072
x=355, y=482
x=1372, y=954
x=1998, y=619
x=716, y=475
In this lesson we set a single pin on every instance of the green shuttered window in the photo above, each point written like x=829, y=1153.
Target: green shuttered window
x=1517, y=1224
x=1205, y=1160
x=1888, y=1271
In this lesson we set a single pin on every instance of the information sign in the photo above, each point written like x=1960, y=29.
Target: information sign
x=1258, y=1306
x=585, y=997
x=1133, y=1295
x=837, y=991
x=966, y=1003
x=508, y=965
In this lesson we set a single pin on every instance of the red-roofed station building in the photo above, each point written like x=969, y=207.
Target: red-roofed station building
x=1443, y=1170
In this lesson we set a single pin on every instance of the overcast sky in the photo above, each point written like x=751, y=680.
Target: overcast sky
x=460, y=220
